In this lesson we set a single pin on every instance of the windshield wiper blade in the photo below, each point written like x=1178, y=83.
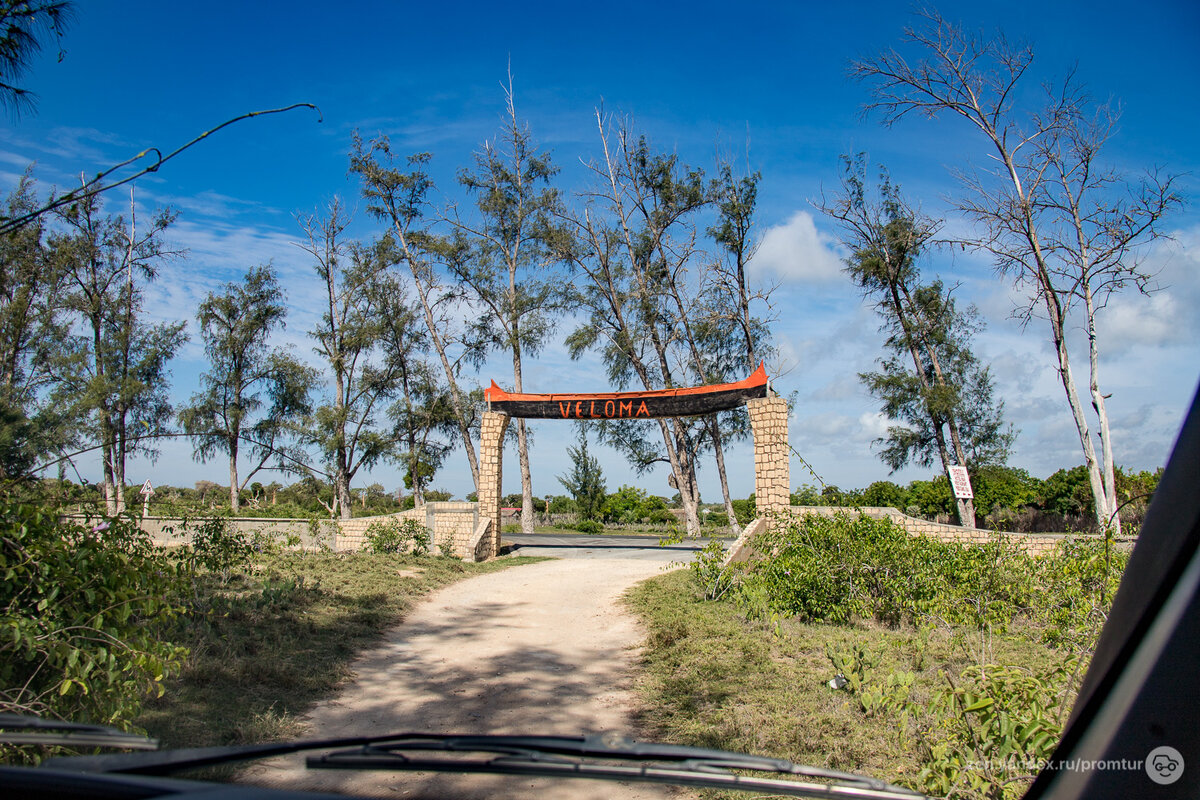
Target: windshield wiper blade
x=607, y=757
x=601, y=756
x=25, y=729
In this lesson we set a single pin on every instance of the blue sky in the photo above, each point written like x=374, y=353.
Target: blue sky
x=695, y=77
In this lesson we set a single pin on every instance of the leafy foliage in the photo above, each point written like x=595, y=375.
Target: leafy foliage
x=395, y=535
x=835, y=569
x=82, y=612
x=244, y=373
x=585, y=481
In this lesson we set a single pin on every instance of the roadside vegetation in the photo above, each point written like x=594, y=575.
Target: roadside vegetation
x=227, y=640
x=947, y=668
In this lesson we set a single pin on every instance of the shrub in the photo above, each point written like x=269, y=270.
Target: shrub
x=394, y=535
x=660, y=516
x=711, y=575
x=993, y=729
x=216, y=546
x=835, y=568
x=589, y=526
x=82, y=611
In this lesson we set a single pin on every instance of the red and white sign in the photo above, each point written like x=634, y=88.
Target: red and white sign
x=961, y=482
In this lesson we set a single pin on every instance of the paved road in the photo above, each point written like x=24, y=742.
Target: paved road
x=582, y=545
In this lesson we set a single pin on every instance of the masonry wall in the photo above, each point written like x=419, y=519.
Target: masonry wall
x=772, y=456
x=491, y=460
x=1033, y=543
x=452, y=525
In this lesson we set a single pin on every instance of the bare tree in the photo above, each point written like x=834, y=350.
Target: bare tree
x=1057, y=223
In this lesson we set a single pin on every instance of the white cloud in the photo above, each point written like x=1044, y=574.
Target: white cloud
x=1135, y=320
x=797, y=252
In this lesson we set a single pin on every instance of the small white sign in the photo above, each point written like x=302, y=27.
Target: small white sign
x=961, y=481
x=147, y=489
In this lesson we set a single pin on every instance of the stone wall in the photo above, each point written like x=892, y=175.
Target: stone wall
x=1032, y=543
x=352, y=533
x=452, y=525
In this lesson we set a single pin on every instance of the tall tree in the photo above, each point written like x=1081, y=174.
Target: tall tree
x=400, y=199
x=245, y=374
x=736, y=198
x=504, y=255
x=730, y=335
x=350, y=337
x=1065, y=228
x=932, y=381
x=116, y=378
x=423, y=414
x=32, y=327
x=633, y=243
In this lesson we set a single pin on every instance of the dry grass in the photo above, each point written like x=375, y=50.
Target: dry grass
x=269, y=641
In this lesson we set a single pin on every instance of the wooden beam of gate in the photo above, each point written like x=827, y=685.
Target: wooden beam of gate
x=690, y=402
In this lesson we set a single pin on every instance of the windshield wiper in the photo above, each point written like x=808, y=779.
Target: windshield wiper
x=24, y=729
x=607, y=757
x=602, y=756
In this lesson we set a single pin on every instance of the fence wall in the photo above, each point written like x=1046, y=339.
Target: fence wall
x=451, y=524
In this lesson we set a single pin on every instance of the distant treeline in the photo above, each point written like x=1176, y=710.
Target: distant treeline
x=1006, y=498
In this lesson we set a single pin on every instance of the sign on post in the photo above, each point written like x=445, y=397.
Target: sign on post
x=960, y=481
x=147, y=491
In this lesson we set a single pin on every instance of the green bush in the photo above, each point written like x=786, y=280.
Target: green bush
x=984, y=735
x=216, y=546
x=82, y=614
x=394, y=535
x=833, y=569
x=589, y=526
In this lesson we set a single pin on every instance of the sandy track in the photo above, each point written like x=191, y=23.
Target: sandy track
x=540, y=649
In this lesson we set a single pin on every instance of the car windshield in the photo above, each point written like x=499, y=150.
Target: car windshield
x=436, y=399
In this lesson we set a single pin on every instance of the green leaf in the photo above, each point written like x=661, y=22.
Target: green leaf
x=979, y=705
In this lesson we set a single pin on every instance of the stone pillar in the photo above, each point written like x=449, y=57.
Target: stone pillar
x=772, y=478
x=491, y=462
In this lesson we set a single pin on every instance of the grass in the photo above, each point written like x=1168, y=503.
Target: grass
x=270, y=640
x=715, y=679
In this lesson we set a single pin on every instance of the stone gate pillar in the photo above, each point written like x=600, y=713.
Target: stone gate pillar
x=491, y=462
x=772, y=479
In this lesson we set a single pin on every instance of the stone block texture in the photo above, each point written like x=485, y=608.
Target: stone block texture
x=772, y=456
x=491, y=452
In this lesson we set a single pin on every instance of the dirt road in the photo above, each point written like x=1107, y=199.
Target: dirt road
x=540, y=649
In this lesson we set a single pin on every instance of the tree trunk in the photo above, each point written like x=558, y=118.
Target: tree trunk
x=440, y=346
x=719, y=450
x=341, y=492
x=1112, y=519
x=1058, y=335
x=522, y=444
x=234, y=494
x=684, y=473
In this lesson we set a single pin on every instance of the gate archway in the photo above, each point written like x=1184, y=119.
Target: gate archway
x=768, y=425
